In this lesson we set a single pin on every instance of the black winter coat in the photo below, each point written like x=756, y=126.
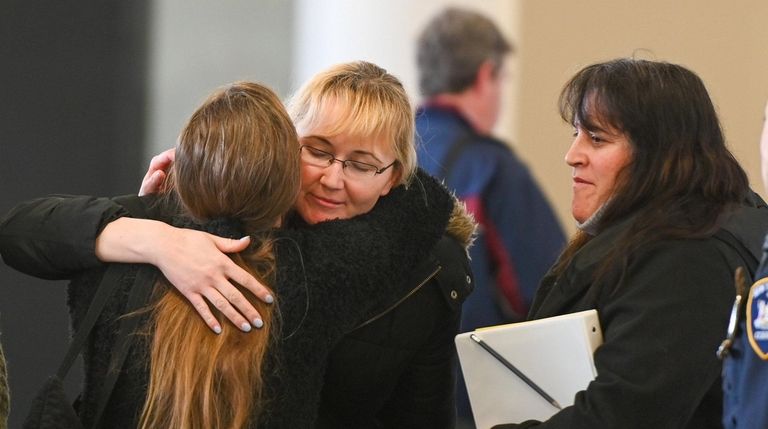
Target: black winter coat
x=662, y=324
x=399, y=370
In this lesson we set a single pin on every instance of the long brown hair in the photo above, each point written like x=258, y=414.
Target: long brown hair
x=237, y=160
x=681, y=178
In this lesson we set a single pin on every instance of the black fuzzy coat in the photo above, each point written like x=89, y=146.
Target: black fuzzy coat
x=399, y=370
x=331, y=278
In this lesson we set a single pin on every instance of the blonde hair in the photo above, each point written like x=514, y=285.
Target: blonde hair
x=238, y=159
x=375, y=102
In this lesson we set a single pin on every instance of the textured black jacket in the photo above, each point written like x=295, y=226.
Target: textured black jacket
x=398, y=370
x=336, y=281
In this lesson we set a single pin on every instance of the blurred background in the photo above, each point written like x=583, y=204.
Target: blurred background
x=92, y=89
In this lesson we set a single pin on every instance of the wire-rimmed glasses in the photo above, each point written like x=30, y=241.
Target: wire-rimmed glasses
x=353, y=169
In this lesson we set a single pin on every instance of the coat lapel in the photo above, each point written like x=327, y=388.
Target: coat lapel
x=571, y=291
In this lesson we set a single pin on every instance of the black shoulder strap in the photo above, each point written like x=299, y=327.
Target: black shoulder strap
x=455, y=277
x=744, y=231
x=140, y=291
x=746, y=256
x=108, y=284
x=454, y=152
x=138, y=295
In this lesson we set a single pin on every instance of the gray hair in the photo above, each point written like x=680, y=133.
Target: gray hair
x=453, y=46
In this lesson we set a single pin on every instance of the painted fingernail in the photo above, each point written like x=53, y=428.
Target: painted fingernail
x=269, y=299
x=245, y=327
x=258, y=323
x=217, y=329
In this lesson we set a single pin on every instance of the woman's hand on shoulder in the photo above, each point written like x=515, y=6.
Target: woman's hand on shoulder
x=155, y=177
x=194, y=262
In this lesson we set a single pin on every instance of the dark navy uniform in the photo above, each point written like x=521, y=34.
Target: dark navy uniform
x=745, y=368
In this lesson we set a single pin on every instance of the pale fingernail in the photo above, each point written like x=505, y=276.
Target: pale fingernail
x=258, y=323
x=245, y=238
x=217, y=329
x=245, y=327
x=269, y=299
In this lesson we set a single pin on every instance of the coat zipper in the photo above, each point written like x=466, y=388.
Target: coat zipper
x=400, y=301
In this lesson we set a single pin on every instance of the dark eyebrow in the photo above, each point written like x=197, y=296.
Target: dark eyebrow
x=327, y=142
x=591, y=127
x=597, y=129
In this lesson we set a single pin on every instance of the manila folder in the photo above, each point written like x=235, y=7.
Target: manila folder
x=556, y=353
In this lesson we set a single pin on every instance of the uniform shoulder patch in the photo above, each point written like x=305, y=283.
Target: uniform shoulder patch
x=757, y=318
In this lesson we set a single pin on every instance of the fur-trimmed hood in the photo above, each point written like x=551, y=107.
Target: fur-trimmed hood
x=462, y=225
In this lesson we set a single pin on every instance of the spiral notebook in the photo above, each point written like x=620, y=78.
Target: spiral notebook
x=555, y=353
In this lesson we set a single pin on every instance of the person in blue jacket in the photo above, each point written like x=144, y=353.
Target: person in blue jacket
x=460, y=56
x=745, y=351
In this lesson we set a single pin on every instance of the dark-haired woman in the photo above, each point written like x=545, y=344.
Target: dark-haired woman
x=665, y=216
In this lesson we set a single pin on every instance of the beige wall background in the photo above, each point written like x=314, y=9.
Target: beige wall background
x=282, y=43
x=726, y=44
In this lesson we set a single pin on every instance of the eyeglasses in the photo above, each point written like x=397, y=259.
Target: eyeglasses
x=352, y=169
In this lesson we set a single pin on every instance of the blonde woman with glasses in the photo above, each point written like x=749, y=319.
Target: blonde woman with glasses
x=395, y=368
